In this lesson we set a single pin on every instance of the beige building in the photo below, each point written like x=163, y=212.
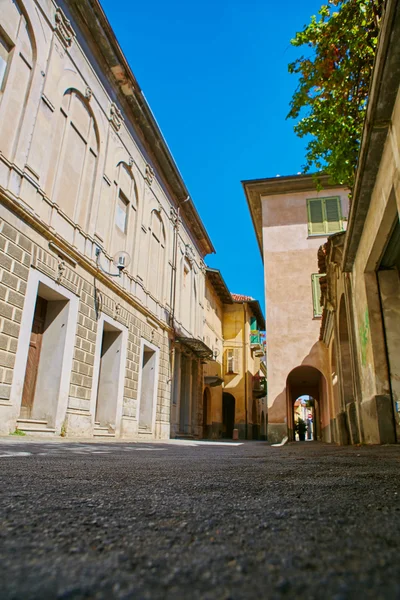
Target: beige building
x=101, y=248
x=234, y=395
x=216, y=299
x=361, y=290
x=244, y=395
x=291, y=217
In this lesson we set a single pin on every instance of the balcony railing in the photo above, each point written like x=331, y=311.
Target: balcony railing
x=257, y=342
x=259, y=386
x=255, y=338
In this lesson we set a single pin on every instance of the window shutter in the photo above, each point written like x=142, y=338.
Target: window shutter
x=315, y=216
x=316, y=292
x=253, y=324
x=236, y=360
x=228, y=360
x=333, y=215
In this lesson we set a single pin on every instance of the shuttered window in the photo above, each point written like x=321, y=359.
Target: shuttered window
x=316, y=294
x=324, y=215
x=232, y=360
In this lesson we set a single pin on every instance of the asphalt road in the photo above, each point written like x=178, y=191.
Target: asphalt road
x=114, y=520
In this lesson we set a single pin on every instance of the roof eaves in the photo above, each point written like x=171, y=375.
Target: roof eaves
x=91, y=14
x=384, y=87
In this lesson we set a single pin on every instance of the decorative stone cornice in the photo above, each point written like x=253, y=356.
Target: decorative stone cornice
x=116, y=118
x=189, y=254
x=173, y=215
x=149, y=174
x=63, y=28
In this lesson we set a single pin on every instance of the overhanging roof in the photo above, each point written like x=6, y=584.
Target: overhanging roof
x=382, y=97
x=255, y=307
x=254, y=189
x=219, y=285
x=90, y=16
x=197, y=346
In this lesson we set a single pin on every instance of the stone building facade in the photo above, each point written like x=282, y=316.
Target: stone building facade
x=86, y=183
x=291, y=218
x=360, y=268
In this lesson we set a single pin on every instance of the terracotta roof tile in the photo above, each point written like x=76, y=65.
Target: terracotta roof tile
x=241, y=298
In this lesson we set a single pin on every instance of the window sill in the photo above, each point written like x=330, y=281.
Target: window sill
x=317, y=317
x=325, y=235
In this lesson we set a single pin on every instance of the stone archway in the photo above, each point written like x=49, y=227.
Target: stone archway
x=308, y=381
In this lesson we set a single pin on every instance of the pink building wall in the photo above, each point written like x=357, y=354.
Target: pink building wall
x=290, y=258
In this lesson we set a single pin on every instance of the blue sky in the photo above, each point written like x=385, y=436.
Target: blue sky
x=215, y=76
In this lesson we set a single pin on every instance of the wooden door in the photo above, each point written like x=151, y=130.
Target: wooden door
x=32, y=365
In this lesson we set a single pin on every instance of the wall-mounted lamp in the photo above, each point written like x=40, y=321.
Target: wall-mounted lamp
x=215, y=353
x=121, y=260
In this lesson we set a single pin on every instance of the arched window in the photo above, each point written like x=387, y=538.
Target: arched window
x=156, y=256
x=186, y=294
x=126, y=203
x=73, y=188
x=17, y=63
x=194, y=308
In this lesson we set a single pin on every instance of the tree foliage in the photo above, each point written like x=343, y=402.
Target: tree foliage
x=331, y=97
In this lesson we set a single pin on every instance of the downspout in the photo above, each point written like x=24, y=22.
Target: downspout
x=174, y=268
x=245, y=369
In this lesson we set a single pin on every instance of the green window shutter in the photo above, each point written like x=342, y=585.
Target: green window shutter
x=316, y=293
x=253, y=324
x=316, y=223
x=333, y=215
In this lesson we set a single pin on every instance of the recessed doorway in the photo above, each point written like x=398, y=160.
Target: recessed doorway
x=109, y=377
x=45, y=363
x=148, y=383
x=228, y=415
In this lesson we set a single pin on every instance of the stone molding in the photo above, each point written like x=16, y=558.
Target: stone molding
x=63, y=28
x=149, y=174
x=116, y=119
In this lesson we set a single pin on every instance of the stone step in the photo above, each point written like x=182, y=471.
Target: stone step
x=101, y=430
x=105, y=434
x=35, y=427
x=31, y=422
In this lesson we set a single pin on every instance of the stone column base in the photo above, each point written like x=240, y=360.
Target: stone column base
x=276, y=432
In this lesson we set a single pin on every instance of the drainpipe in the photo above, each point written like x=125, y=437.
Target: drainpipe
x=174, y=269
x=245, y=368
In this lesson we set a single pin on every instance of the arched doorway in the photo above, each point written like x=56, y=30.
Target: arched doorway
x=228, y=415
x=307, y=381
x=304, y=410
x=206, y=412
